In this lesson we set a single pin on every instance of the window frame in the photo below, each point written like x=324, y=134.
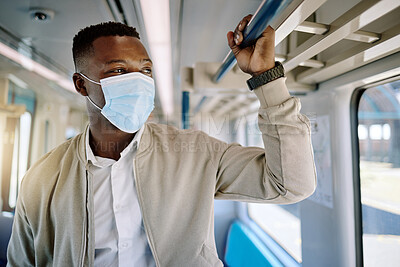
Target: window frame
x=30, y=103
x=19, y=178
x=355, y=147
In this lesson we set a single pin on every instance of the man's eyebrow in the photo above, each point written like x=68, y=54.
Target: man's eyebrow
x=125, y=62
x=116, y=61
x=147, y=60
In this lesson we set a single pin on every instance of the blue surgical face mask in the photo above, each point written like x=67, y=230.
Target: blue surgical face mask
x=129, y=100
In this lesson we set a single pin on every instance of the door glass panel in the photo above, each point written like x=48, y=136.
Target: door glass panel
x=20, y=156
x=379, y=142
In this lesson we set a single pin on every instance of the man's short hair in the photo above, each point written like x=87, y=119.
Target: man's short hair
x=83, y=41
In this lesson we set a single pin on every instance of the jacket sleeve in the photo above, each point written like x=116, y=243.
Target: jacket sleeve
x=283, y=172
x=20, y=250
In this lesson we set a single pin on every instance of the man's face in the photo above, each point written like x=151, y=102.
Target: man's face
x=115, y=55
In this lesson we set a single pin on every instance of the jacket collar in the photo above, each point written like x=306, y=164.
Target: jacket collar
x=145, y=140
x=81, y=149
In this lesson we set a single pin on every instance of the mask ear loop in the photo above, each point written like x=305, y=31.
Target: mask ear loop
x=90, y=100
x=87, y=78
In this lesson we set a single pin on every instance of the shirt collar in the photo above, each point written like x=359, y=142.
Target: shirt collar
x=133, y=145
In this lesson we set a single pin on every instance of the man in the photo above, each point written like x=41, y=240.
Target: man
x=125, y=193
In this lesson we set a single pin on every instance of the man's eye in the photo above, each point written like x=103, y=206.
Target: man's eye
x=118, y=71
x=147, y=71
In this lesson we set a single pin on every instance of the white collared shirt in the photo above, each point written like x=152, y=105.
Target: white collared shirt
x=120, y=238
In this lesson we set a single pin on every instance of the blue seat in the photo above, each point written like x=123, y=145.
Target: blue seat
x=244, y=248
x=6, y=221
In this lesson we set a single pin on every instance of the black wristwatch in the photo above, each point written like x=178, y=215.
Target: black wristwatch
x=266, y=77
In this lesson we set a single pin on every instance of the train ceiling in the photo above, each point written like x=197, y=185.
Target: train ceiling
x=321, y=39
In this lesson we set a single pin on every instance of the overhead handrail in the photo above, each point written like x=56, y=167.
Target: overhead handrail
x=265, y=13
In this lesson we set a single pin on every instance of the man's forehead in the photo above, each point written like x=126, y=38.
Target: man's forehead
x=107, y=46
x=119, y=42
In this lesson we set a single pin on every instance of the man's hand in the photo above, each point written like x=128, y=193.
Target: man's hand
x=257, y=58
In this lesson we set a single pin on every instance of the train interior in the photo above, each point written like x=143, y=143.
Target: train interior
x=341, y=57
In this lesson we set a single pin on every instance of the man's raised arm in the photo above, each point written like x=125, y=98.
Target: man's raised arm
x=283, y=172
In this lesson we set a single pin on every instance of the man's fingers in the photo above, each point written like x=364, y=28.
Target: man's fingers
x=231, y=42
x=238, y=34
x=238, y=38
x=230, y=38
x=242, y=24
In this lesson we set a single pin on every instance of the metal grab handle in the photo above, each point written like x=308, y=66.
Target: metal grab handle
x=265, y=13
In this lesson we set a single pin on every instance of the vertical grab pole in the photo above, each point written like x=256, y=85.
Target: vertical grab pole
x=265, y=13
x=185, y=110
x=187, y=87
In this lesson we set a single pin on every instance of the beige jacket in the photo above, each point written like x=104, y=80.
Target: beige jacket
x=178, y=174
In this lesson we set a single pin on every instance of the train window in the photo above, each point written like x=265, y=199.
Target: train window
x=379, y=150
x=375, y=132
x=20, y=95
x=362, y=132
x=20, y=156
x=280, y=222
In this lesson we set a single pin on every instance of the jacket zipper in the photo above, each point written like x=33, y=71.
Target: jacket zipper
x=143, y=218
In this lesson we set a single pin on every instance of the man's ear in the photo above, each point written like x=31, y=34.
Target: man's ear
x=79, y=83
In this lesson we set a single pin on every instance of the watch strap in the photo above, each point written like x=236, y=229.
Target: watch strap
x=267, y=76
